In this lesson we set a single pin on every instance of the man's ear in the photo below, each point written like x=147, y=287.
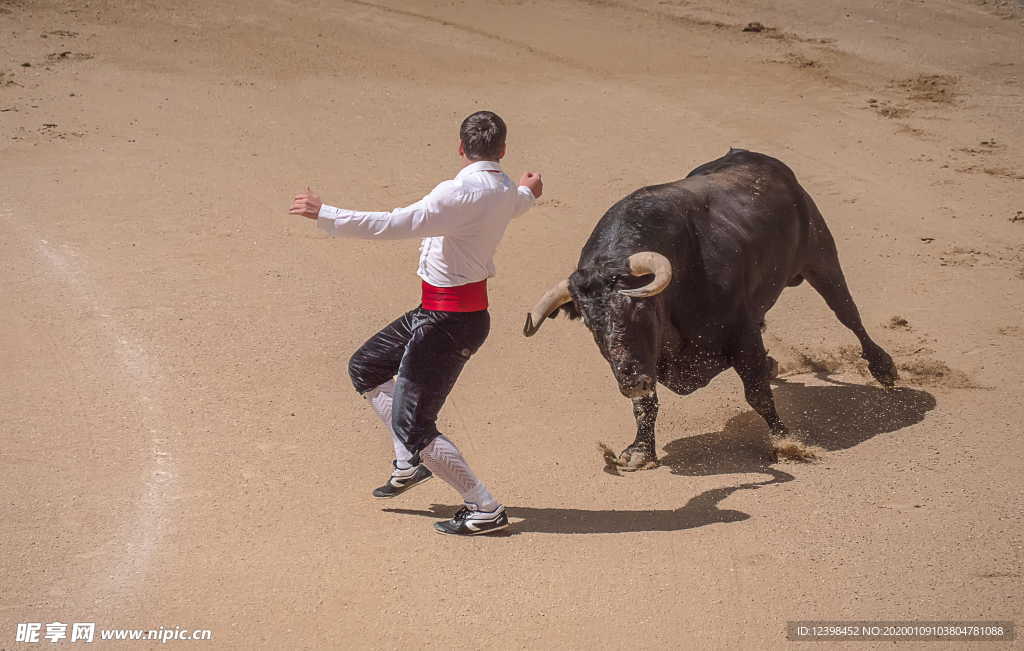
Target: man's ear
x=462, y=149
x=501, y=154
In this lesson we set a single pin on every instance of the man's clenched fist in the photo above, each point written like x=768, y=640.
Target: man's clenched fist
x=307, y=205
x=533, y=181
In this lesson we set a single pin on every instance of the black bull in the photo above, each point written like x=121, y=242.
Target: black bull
x=675, y=281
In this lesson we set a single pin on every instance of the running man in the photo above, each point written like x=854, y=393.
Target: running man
x=407, y=369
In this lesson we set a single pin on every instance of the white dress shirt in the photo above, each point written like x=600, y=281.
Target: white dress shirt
x=461, y=222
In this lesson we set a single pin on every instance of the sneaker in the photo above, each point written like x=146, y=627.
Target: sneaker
x=468, y=522
x=402, y=480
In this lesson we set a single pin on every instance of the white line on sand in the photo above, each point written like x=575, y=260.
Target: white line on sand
x=138, y=536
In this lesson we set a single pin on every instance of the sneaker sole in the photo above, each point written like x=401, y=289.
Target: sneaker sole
x=404, y=490
x=472, y=533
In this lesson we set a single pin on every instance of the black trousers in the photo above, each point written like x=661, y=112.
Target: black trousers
x=427, y=350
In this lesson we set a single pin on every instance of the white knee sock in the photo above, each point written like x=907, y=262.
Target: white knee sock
x=380, y=399
x=444, y=460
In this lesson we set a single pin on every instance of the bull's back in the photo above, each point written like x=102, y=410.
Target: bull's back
x=738, y=228
x=751, y=228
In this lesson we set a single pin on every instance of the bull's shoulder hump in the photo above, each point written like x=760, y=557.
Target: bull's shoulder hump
x=737, y=161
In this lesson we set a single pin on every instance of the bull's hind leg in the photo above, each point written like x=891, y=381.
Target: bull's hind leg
x=826, y=277
x=755, y=367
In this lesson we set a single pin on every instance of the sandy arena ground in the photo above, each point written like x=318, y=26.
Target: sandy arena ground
x=180, y=444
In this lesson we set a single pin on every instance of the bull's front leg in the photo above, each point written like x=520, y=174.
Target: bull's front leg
x=640, y=455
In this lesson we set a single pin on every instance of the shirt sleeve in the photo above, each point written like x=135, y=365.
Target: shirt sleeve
x=438, y=213
x=524, y=200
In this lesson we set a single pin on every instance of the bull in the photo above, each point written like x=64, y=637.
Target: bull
x=675, y=281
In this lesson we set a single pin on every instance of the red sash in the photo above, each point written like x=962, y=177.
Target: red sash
x=464, y=298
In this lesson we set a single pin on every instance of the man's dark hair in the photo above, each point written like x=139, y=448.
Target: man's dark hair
x=483, y=136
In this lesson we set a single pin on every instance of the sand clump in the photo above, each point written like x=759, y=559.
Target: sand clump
x=887, y=109
x=1004, y=172
x=934, y=373
x=916, y=368
x=897, y=322
x=825, y=361
x=791, y=449
x=939, y=89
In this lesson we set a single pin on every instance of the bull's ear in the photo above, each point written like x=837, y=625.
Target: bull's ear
x=570, y=309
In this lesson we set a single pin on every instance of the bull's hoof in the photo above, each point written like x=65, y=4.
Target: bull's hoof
x=636, y=458
x=632, y=458
x=883, y=369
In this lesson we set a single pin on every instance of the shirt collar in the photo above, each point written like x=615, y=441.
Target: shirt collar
x=478, y=166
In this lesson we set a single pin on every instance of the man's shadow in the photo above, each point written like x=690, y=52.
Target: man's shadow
x=836, y=416
x=698, y=512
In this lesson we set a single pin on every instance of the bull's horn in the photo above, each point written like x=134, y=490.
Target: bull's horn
x=649, y=262
x=555, y=297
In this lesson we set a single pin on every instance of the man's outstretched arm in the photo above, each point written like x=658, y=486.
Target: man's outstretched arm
x=435, y=214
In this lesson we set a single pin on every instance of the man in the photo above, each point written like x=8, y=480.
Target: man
x=407, y=369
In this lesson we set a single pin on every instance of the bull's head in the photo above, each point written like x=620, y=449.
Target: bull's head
x=625, y=325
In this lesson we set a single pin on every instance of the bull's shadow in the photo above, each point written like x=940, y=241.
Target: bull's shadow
x=835, y=416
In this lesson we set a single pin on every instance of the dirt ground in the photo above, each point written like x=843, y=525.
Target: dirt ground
x=180, y=444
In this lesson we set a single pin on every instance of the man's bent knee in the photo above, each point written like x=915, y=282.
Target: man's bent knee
x=359, y=375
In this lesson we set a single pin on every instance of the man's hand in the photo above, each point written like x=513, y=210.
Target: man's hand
x=307, y=205
x=533, y=181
